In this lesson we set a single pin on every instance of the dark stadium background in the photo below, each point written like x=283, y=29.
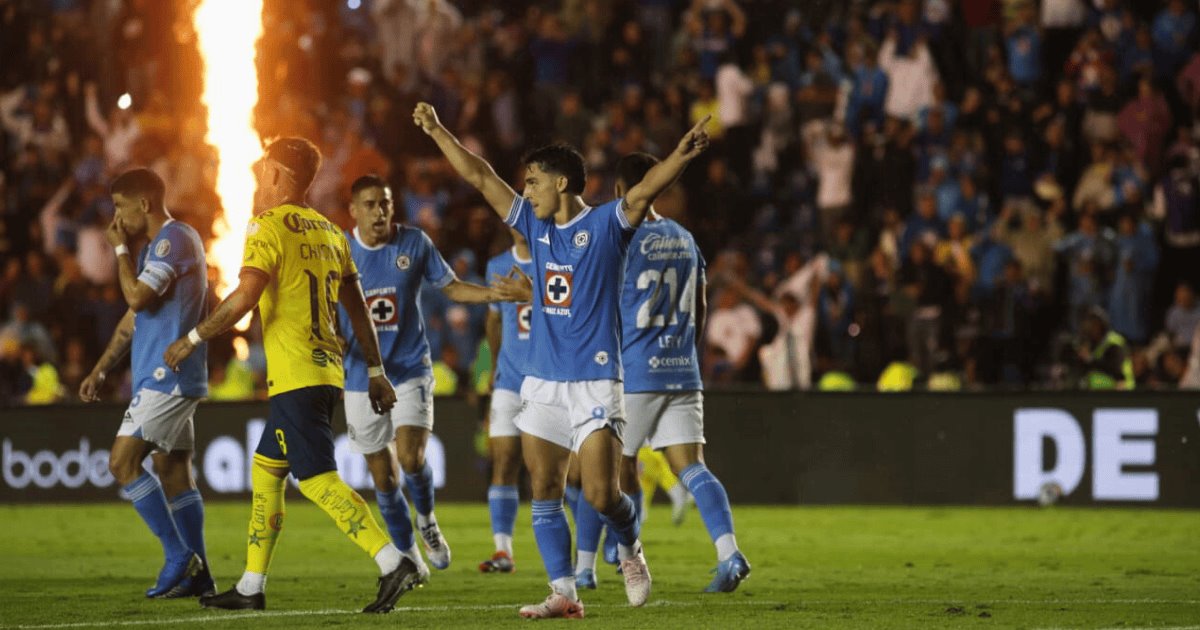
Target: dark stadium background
x=901, y=195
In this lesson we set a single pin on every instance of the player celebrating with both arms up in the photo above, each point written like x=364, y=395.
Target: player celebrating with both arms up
x=573, y=397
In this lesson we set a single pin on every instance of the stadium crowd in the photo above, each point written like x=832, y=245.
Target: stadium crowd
x=938, y=193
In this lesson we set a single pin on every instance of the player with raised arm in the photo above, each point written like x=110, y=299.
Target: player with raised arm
x=165, y=288
x=662, y=311
x=392, y=262
x=508, y=327
x=295, y=266
x=573, y=398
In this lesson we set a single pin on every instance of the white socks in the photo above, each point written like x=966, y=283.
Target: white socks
x=565, y=586
x=585, y=560
x=423, y=520
x=503, y=543
x=624, y=553
x=388, y=559
x=252, y=583
x=726, y=546
x=678, y=494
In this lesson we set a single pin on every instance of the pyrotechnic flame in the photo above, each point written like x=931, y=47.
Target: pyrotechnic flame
x=226, y=33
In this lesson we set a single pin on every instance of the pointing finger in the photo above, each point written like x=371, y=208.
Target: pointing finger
x=700, y=125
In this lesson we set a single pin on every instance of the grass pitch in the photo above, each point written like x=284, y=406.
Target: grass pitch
x=821, y=567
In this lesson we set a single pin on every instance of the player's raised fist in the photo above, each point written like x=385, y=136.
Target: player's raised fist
x=426, y=118
x=695, y=141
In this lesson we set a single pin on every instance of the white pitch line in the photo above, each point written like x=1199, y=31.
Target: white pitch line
x=335, y=611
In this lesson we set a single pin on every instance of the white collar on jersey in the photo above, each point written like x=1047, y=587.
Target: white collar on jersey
x=586, y=210
x=358, y=238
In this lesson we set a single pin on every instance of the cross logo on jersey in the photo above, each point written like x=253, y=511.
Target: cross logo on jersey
x=524, y=318
x=383, y=309
x=558, y=288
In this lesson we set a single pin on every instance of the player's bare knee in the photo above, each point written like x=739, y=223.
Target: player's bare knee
x=124, y=468
x=506, y=470
x=412, y=461
x=681, y=456
x=601, y=495
x=383, y=470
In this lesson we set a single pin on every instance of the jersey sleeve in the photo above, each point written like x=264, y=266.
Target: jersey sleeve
x=167, y=258
x=263, y=249
x=619, y=215
x=521, y=218
x=437, y=271
x=349, y=269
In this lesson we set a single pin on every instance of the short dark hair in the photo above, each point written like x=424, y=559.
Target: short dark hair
x=365, y=182
x=140, y=182
x=633, y=167
x=299, y=155
x=560, y=159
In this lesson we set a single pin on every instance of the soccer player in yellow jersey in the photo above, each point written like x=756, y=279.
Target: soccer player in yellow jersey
x=296, y=268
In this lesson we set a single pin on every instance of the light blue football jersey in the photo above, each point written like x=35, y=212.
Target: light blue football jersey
x=515, y=321
x=391, y=276
x=173, y=265
x=577, y=272
x=663, y=270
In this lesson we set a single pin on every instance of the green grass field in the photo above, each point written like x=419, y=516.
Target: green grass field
x=86, y=566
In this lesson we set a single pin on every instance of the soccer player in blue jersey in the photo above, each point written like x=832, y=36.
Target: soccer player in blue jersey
x=165, y=287
x=508, y=328
x=393, y=260
x=572, y=393
x=662, y=310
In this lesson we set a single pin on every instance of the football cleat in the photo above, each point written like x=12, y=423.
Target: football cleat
x=500, y=562
x=233, y=600
x=555, y=606
x=393, y=585
x=637, y=577
x=730, y=573
x=586, y=579
x=173, y=573
x=436, y=548
x=197, y=585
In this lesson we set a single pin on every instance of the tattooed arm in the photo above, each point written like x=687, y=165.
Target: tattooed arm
x=118, y=346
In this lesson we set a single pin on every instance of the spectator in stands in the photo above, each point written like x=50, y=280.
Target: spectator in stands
x=928, y=286
x=734, y=327
x=1183, y=316
x=1102, y=355
x=1089, y=252
x=1032, y=243
x=911, y=75
x=1174, y=32
x=1145, y=122
x=1176, y=205
x=832, y=157
x=1136, y=261
x=1023, y=45
x=23, y=331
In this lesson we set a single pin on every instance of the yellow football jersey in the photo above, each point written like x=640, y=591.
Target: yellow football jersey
x=307, y=257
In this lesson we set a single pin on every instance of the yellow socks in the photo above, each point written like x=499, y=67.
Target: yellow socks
x=347, y=509
x=266, y=518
